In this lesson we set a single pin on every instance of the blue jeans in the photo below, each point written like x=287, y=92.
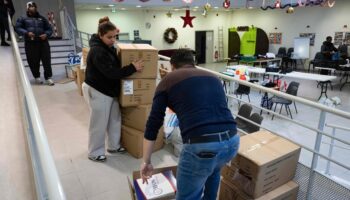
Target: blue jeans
x=198, y=174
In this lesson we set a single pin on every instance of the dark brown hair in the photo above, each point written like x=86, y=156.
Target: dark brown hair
x=182, y=57
x=104, y=25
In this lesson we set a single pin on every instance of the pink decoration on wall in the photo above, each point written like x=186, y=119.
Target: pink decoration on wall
x=226, y=4
x=187, y=1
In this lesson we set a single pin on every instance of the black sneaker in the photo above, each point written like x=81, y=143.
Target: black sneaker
x=98, y=158
x=119, y=150
x=5, y=44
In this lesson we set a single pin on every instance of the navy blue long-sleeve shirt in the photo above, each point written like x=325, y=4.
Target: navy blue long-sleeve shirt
x=198, y=99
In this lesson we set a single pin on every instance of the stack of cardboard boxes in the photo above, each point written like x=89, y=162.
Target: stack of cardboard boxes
x=136, y=96
x=263, y=169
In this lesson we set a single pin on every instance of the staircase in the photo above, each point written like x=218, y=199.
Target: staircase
x=59, y=52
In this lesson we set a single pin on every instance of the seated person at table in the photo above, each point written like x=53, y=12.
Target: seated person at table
x=343, y=50
x=328, y=48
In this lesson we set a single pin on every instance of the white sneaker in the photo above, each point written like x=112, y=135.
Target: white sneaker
x=38, y=81
x=50, y=82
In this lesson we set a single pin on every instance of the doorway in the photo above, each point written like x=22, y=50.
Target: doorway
x=204, y=46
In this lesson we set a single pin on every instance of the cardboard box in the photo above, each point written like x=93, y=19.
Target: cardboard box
x=229, y=191
x=79, y=77
x=264, y=162
x=127, y=53
x=164, y=67
x=136, y=117
x=132, y=141
x=84, y=54
x=136, y=175
x=136, y=92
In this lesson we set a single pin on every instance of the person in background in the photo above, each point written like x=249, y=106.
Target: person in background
x=36, y=31
x=343, y=50
x=328, y=48
x=11, y=12
x=4, y=25
x=208, y=130
x=101, y=90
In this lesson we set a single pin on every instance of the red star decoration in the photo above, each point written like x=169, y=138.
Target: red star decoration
x=188, y=19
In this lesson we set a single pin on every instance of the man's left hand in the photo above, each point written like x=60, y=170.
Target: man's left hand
x=146, y=172
x=43, y=37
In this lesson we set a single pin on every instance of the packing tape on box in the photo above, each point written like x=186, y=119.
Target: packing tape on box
x=260, y=144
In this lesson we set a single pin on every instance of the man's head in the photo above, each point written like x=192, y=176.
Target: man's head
x=31, y=7
x=329, y=39
x=182, y=57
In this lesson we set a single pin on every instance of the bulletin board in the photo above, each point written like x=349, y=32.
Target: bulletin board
x=347, y=38
x=275, y=38
x=309, y=35
x=338, y=38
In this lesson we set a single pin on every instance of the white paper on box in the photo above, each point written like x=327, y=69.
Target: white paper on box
x=158, y=186
x=128, y=87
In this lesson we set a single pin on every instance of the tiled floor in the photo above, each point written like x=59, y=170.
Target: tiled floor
x=65, y=117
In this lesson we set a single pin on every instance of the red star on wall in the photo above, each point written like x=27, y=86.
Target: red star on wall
x=188, y=19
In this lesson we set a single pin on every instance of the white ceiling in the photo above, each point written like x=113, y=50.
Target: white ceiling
x=167, y=5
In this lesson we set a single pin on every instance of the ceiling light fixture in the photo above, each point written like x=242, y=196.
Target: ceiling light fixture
x=123, y=9
x=138, y=6
x=111, y=5
x=98, y=8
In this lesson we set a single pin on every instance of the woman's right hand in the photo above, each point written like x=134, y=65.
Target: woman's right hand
x=138, y=65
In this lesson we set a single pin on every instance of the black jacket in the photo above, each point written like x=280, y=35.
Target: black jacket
x=103, y=70
x=36, y=24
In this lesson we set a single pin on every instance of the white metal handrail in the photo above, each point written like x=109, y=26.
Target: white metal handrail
x=41, y=147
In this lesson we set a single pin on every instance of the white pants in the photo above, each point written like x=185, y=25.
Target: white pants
x=105, y=118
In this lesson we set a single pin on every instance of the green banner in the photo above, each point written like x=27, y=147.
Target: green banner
x=248, y=42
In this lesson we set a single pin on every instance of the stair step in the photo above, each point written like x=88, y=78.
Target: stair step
x=52, y=43
x=54, y=49
x=54, y=61
x=63, y=54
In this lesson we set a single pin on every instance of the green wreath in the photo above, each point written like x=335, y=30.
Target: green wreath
x=170, y=35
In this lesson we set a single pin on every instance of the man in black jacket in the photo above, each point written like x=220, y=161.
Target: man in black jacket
x=328, y=48
x=36, y=30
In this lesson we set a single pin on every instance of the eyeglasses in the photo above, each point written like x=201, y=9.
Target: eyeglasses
x=117, y=36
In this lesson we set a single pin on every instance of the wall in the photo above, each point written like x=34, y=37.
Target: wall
x=322, y=21
x=128, y=21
